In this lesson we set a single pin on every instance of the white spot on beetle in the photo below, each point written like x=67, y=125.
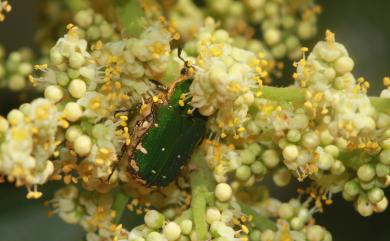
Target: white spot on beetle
x=163, y=149
x=164, y=177
x=154, y=172
x=179, y=156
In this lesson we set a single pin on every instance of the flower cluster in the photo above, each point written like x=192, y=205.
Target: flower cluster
x=93, y=26
x=344, y=121
x=75, y=128
x=89, y=209
x=226, y=81
x=294, y=222
x=318, y=139
x=28, y=142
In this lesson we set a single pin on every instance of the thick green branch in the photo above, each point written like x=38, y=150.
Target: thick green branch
x=295, y=94
x=289, y=94
x=120, y=202
x=201, y=184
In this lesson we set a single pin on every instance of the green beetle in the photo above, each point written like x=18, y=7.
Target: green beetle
x=164, y=138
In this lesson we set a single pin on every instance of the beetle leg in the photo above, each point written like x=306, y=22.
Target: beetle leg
x=160, y=86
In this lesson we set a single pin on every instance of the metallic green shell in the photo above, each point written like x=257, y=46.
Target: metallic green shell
x=168, y=144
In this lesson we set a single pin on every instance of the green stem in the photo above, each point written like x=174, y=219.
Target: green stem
x=131, y=16
x=260, y=222
x=201, y=184
x=381, y=104
x=119, y=205
x=295, y=94
x=289, y=94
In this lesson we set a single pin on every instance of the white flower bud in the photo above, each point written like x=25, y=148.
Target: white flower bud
x=186, y=226
x=315, y=233
x=154, y=236
x=366, y=172
x=56, y=57
x=290, y=153
x=286, y=211
x=212, y=215
x=281, y=177
x=297, y=223
x=53, y=93
x=72, y=133
x=343, y=65
x=385, y=93
x=154, y=219
x=82, y=145
x=311, y=140
x=25, y=69
x=270, y=158
x=16, y=82
x=306, y=30
x=381, y=205
x=221, y=36
x=325, y=161
x=268, y=235
x=375, y=195
x=384, y=156
x=3, y=125
x=72, y=111
x=272, y=36
x=76, y=60
x=172, y=231
x=364, y=207
x=77, y=88
x=15, y=117
x=223, y=192
x=243, y=173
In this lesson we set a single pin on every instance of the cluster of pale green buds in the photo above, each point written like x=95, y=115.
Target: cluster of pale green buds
x=282, y=24
x=223, y=222
x=15, y=68
x=90, y=210
x=294, y=220
x=93, y=27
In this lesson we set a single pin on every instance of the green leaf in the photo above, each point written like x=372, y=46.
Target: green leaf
x=131, y=16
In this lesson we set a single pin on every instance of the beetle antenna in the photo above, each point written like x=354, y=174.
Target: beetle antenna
x=179, y=51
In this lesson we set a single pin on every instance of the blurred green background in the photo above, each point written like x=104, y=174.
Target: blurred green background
x=363, y=26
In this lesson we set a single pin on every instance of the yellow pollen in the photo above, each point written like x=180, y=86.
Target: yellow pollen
x=245, y=229
x=329, y=36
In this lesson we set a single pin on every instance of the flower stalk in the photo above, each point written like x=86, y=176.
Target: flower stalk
x=297, y=95
x=119, y=205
